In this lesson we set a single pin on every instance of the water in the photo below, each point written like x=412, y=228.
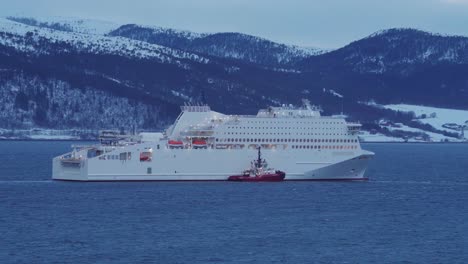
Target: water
x=413, y=210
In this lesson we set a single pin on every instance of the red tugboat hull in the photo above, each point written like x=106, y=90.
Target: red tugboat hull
x=269, y=177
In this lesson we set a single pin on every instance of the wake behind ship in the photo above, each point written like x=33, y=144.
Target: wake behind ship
x=206, y=145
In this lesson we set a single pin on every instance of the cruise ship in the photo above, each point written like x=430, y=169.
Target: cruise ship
x=207, y=145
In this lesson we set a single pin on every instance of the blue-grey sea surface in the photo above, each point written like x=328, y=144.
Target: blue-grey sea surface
x=414, y=209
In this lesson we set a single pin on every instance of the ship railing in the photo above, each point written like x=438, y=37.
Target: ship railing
x=188, y=136
x=85, y=146
x=201, y=128
x=248, y=116
x=71, y=159
x=195, y=108
x=353, y=124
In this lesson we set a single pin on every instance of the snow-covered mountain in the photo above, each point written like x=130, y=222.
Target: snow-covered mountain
x=48, y=41
x=82, y=74
x=238, y=46
x=114, y=78
x=400, y=51
x=78, y=25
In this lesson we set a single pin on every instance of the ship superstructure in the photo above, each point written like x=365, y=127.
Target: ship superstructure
x=206, y=145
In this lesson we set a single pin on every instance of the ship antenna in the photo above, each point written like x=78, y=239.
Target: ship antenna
x=259, y=160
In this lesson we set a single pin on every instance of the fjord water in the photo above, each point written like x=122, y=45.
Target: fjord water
x=414, y=209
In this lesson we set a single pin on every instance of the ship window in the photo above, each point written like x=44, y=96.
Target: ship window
x=149, y=170
x=123, y=156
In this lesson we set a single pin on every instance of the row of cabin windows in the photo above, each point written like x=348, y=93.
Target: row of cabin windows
x=308, y=127
x=323, y=147
x=295, y=122
x=267, y=133
x=286, y=140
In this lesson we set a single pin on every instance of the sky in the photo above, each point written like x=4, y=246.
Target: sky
x=323, y=24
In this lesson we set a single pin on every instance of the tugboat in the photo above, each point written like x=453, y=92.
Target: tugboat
x=259, y=171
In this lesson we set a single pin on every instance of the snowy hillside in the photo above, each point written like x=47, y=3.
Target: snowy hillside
x=32, y=102
x=237, y=46
x=225, y=45
x=43, y=41
x=436, y=117
x=397, y=50
x=85, y=26
x=71, y=74
x=425, y=123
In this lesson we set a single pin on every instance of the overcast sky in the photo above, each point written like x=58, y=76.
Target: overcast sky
x=315, y=23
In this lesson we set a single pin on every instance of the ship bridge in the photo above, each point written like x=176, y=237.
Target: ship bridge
x=307, y=110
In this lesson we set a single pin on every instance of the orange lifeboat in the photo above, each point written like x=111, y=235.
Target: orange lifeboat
x=176, y=144
x=199, y=143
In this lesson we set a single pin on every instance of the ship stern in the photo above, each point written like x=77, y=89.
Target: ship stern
x=69, y=170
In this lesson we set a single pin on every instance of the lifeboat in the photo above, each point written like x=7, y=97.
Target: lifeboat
x=175, y=144
x=198, y=144
x=145, y=156
x=259, y=171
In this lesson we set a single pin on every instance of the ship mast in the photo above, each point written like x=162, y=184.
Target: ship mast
x=259, y=159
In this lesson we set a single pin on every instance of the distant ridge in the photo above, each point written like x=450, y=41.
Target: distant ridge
x=55, y=72
x=239, y=46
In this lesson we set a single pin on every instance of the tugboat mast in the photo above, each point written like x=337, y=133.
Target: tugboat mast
x=259, y=159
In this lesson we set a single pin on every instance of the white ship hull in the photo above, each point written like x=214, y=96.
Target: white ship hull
x=216, y=165
x=207, y=145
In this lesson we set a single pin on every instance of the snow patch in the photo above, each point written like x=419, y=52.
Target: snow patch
x=332, y=92
x=442, y=115
x=365, y=136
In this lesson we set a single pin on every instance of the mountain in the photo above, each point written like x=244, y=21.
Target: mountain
x=111, y=76
x=399, y=51
x=397, y=65
x=246, y=48
x=80, y=74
